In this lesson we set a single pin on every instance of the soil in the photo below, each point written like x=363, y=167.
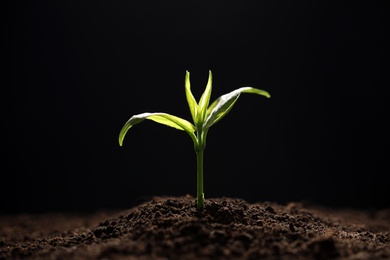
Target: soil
x=226, y=228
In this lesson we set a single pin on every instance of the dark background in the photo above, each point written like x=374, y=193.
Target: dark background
x=76, y=71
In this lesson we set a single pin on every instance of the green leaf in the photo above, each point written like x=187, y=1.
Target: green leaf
x=220, y=107
x=255, y=91
x=190, y=98
x=205, y=98
x=162, y=118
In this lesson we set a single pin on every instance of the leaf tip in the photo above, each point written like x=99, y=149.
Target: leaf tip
x=120, y=142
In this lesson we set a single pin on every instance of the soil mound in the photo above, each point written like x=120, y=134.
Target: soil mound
x=226, y=228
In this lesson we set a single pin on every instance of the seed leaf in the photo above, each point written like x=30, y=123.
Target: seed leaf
x=190, y=98
x=222, y=105
x=162, y=118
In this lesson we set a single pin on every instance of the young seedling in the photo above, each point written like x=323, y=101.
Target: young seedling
x=203, y=115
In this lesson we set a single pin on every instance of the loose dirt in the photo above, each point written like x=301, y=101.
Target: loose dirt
x=226, y=228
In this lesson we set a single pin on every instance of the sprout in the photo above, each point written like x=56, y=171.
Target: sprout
x=203, y=116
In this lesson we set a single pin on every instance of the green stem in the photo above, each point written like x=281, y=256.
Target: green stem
x=200, y=146
x=200, y=194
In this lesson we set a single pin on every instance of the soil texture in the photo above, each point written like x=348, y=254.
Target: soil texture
x=226, y=228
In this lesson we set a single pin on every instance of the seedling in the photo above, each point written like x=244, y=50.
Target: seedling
x=203, y=115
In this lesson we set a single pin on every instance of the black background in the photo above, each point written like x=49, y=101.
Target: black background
x=76, y=71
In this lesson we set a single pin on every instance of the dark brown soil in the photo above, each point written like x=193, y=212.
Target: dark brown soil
x=227, y=228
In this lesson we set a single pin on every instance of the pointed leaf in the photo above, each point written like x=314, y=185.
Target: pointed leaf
x=162, y=118
x=255, y=91
x=205, y=98
x=220, y=107
x=190, y=98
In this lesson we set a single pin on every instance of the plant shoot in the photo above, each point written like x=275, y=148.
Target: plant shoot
x=203, y=115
